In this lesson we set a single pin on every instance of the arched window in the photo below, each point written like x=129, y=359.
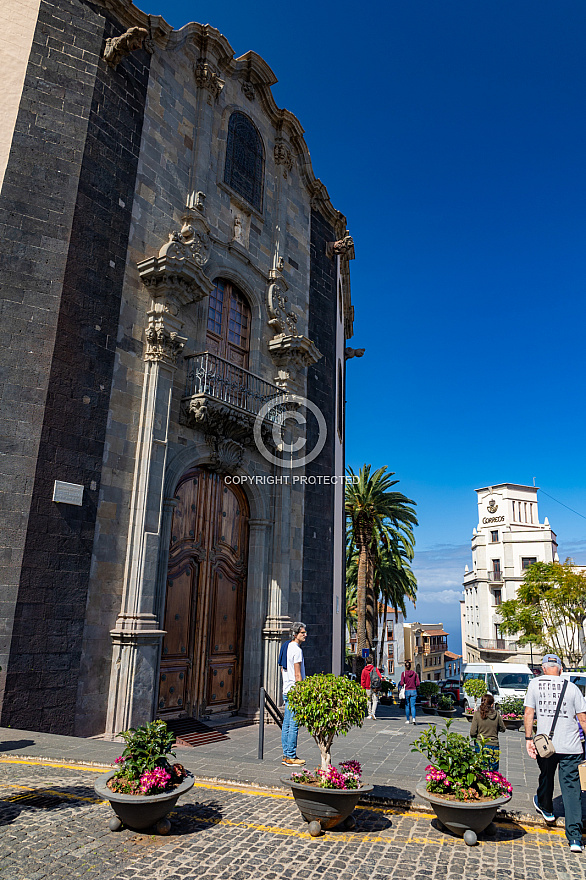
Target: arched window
x=228, y=333
x=244, y=169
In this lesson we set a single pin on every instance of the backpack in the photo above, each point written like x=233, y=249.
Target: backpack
x=375, y=679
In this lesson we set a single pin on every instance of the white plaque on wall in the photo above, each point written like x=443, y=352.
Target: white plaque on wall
x=68, y=493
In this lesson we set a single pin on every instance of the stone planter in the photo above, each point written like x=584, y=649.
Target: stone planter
x=327, y=806
x=466, y=819
x=446, y=713
x=427, y=710
x=141, y=811
x=513, y=723
x=468, y=716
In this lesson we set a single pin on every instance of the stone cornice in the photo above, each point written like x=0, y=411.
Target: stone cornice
x=210, y=43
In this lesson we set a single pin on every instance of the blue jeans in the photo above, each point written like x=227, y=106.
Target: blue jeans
x=410, y=704
x=289, y=732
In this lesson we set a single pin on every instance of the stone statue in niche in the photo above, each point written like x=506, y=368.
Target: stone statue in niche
x=118, y=48
x=238, y=230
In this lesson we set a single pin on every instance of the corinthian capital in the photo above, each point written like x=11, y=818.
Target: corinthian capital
x=163, y=344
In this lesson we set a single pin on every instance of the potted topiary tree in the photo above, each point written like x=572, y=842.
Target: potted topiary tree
x=328, y=706
x=475, y=688
x=459, y=784
x=145, y=786
x=429, y=691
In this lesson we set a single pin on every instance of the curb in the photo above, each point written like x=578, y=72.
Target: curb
x=373, y=799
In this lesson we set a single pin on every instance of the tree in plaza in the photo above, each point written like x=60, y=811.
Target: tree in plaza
x=550, y=610
x=377, y=517
x=394, y=580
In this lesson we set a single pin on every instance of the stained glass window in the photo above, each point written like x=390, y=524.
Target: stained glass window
x=244, y=169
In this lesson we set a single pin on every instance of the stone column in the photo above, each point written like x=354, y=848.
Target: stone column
x=278, y=623
x=174, y=279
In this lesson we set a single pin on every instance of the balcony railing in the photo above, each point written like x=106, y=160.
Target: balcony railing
x=495, y=576
x=212, y=375
x=496, y=645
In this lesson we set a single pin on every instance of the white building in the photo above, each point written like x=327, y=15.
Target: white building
x=507, y=540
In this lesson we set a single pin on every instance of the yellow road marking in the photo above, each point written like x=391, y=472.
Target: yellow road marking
x=392, y=811
x=31, y=763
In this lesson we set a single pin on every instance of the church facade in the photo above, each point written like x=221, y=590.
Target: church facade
x=176, y=302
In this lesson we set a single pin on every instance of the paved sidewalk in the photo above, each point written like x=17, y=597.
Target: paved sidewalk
x=382, y=746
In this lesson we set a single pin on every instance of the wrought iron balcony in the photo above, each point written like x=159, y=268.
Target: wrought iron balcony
x=497, y=645
x=225, y=400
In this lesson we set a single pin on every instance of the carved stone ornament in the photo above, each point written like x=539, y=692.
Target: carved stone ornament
x=249, y=90
x=350, y=353
x=291, y=354
x=281, y=319
x=226, y=455
x=162, y=344
x=283, y=156
x=195, y=235
x=342, y=248
x=118, y=48
x=207, y=78
x=177, y=271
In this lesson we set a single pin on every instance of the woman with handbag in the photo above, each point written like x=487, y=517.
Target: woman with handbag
x=409, y=683
x=487, y=722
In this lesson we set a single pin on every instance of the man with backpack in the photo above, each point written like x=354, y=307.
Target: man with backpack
x=371, y=680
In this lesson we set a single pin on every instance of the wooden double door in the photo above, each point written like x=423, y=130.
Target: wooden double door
x=202, y=654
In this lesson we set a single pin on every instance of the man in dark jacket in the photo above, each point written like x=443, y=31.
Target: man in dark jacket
x=371, y=680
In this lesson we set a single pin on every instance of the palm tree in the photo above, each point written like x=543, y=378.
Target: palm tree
x=394, y=582
x=375, y=515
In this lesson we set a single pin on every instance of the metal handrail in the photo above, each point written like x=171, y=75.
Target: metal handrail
x=266, y=703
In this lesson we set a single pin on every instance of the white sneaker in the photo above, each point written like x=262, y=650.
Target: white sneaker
x=407, y=722
x=413, y=722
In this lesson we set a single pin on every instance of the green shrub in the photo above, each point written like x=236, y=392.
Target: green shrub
x=475, y=687
x=512, y=706
x=327, y=706
x=445, y=701
x=458, y=766
x=429, y=689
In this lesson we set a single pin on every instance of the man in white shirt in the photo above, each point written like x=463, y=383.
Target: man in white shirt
x=294, y=671
x=541, y=701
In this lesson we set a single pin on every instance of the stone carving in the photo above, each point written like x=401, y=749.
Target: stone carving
x=118, y=48
x=195, y=236
x=238, y=230
x=283, y=156
x=226, y=455
x=353, y=352
x=162, y=344
x=280, y=319
x=199, y=202
x=342, y=248
x=207, y=78
x=291, y=354
x=249, y=90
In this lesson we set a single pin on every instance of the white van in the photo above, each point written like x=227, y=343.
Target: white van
x=502, y=679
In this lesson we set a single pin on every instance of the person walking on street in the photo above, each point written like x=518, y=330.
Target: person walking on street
x=557, y=703
x=371, y=680
x=294, y=671
x=487, y=722
x=409, y=680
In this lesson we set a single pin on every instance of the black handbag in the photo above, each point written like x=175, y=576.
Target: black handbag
x=543, y=742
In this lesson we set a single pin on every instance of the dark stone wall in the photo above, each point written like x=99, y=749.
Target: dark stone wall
x=318, y=532
x=88, y=211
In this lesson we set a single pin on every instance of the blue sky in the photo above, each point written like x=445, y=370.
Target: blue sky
x=452, y=134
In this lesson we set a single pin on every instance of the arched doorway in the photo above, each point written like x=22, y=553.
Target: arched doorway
x=201, y=662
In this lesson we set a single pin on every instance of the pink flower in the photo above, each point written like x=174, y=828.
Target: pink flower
x=153, y=779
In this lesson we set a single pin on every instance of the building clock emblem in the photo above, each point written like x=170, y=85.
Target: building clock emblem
x=492, y=506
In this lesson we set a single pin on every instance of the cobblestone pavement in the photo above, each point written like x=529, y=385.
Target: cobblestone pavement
x=52, y=825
